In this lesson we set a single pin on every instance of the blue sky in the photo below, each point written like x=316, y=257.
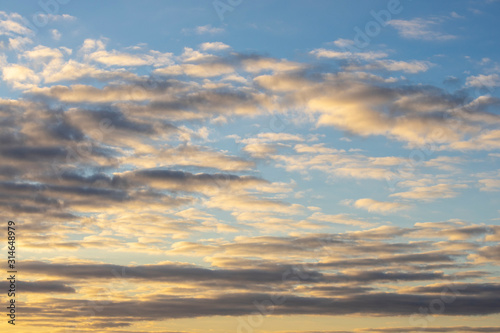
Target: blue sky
x=208, y=149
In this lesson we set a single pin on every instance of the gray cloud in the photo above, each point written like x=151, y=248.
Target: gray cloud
x=45, y=287
x=164, y=307
x=406, y=259
x=462, y=288
x=165, y=273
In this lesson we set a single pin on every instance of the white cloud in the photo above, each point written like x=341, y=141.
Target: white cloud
x=428, y=193
x=56, y=35
x=423, y=29
x=208, y=29
x=54, y=18
x=275, y=65
x=41, y=52
x=12, y=24
x=116, y=58
x=20, y=77
x=214, y=46
x=413, y=66
x=478, y=81
x=489, y=181
x=90, y=45
x=190, y=55
x=341, y=42
x=19, y=43
x=235, y=78
x=332, y=54
x=486, y=140
x=376, y=206
x=73, y=70
x=490, y=185
x=95, y=50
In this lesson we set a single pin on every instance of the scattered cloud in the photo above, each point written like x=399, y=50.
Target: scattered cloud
x=226, y=172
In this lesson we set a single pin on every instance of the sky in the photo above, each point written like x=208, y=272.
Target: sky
x=251, y=166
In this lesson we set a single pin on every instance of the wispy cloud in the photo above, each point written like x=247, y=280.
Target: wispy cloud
x=208, y=29
x=376, y=206
x=420, y=28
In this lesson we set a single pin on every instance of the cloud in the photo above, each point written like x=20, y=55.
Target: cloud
x=354, y=106
x=54, y=17
x=19, y=43
x=461, y=288
x=259, y=64
x=382, y=232
x=41, y=287
x=322, y=292
x=487, y=254
x=480, y=81
x=208, y=155
x=350, y=101
x=56, y=35
x=337, y=163
x=185, y=181
x=195, y=56
x=189, y=155
x=389, y=260
x=332, y=54
x=12, y=24
x=427, y=193
x=486, y=140
x=260, y=150
x=20, y=77
x=159, y=273
x=372, y=205
x=489, y=184
x=276, y=137
x=217, y=46
x=266, y=144
x=452, y=231
x=249, y=203
x=419, y=28
x=79, y=93
x=164, y=307
x=414, y=66
x=322, y=247
x=456, y=15
x=115, y=58
x=74, y=71
x=208, y=29
x=43, y=53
